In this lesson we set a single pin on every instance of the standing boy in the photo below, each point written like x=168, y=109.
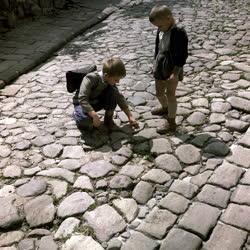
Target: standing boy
x=99, y=91
x=171, y=51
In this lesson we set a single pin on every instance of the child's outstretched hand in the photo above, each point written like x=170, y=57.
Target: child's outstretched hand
x=133, y=122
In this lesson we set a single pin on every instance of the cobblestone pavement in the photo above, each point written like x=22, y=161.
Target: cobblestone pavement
x=133, y=190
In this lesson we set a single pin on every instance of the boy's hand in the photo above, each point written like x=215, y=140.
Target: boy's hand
x=133, y=122
x=96, y=121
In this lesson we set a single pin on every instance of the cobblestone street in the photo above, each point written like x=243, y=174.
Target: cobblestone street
x=133, y=190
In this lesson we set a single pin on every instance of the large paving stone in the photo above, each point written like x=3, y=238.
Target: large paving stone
x=239, y=103
x=83, y=182
x=52, y=150
x=188, y=154
x=240, y=156
x=59, y=188
x=39, y=211
x=67, y=227
x=160, y=146
x=156, y=176
x=220, y=107
x=9, y=214
x=237, y=215
x=58, y=173
x=75, y=203
x=127, y=207
x=226, y=175
x=217, y=148
x=47, y=243
x=225, y=237
x=120, y=181
x=10, y=238
x=73, y=152
x=216, y=118
x=142, y=192
x=4, y=151
x=26, y=244
x=12, y=171
x=105, y=222
x=132, y=171
x=175, y=203
x=184, y=188
x=43, y=140
x=157, y=222
x=70, y=164
x=195, y=215
x=168, y=163
x=97, y=169
x=32, y=188
x=236, y=125
x=214, y=196
x=140, y=241
x=241, y=195
x=246, y=178
x=196, y=118
x=245, y=140
x=80, y=242
x=178, y=239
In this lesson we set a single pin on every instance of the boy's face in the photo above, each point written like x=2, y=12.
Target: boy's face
x=163, y=23
x=112, y=80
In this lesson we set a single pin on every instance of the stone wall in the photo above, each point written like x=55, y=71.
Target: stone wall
x=12, y=10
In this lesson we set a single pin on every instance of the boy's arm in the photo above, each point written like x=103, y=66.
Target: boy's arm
x=122, y=103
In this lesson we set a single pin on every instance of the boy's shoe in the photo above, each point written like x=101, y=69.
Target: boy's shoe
x=170, y=127
x=159, y=111
x=108, y=121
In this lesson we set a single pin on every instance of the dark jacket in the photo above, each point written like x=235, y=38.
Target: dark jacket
x=178, y=48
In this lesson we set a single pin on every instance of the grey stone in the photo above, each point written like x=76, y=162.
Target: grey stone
x=156, y=176
x=83, y=182
x=231, y=237
x=43, y=140
x=168, y=163
x=220, y=107
x=58, y=173
x=188, y=154
x=26, y=244
x=38, y=232
x=175, y=203
x=4, y=151
x=32, y=188
x=240, y=156
x=12, y=171
x=23, y=145
x=157, y=222
x=160, y=146
x=67, y=227
x=127, y=207
x=59, y=188
x=39, y=211
x=231, y=77
x=242, y=66
x=246, y=178
x=9, y=214
x=214, y=196
x=70, y=164
x=97, y=169
x=73, y=152
x=245, y=140
x=180, y=239
x=10, y=238
x=193, y=170
x=47, y=243
x=241, y=195
x=184, y=188
x=119, y=160
x=236, y=125
x=114, y=244
x=78, y=242
x=200, y=102
x=239, y=103
x=142, y=192
x=140, y=241
x=217, y=148
x=75, y=203
x=237, y=215
x=195, y=214
x=105, y=222
x=132, y=171
x=120, y=181
x=124, y=151
x=11, y=90
x=217, y=118
x=226, y=175
x=196, y=118
x=200, y=139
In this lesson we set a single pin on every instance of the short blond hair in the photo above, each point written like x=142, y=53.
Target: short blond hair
x=160, y=12
x=114, y=67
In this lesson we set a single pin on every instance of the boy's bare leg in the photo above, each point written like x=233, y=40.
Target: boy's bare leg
x=160, y=87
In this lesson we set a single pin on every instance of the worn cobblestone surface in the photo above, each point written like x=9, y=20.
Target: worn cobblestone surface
x=133, y=189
